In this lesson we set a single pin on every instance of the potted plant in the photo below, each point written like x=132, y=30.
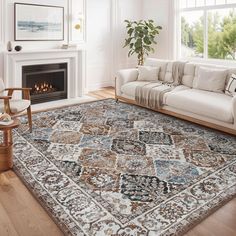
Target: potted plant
x=141, y=37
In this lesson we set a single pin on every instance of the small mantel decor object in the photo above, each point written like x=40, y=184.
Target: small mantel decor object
x=69, y=46
x=64, y=46
x=38, y=22
x=9, y=46
x=18, y=48
x=141, y=37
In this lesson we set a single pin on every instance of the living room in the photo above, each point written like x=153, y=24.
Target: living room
x=118, y=117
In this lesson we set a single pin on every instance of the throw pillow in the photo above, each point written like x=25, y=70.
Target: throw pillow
x=231, y=86
x=158, y=63
x=211, y=79
x=148, y=73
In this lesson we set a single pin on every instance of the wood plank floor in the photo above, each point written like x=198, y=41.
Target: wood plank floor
x=22, y=215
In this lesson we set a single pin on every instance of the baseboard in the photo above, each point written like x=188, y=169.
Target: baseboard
x=98, y=86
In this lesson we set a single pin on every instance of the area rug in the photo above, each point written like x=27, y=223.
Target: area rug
x=107, y=168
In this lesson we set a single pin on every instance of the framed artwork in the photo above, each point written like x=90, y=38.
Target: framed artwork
x=38, y=22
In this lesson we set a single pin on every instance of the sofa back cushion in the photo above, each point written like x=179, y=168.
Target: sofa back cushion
x=158, y=63
x=210, y=66
x=169, y=75
x=148, y=73
x=210, y=79
x=189, y=73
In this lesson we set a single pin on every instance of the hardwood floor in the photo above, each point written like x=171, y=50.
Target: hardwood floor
x=108, y=92
x=22, y=215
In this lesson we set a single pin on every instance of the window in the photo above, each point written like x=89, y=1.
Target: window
x=208, y=29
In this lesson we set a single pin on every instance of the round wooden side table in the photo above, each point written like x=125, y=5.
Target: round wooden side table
x=6, y=147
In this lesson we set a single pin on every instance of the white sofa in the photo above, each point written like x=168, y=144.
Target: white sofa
x=215, y=110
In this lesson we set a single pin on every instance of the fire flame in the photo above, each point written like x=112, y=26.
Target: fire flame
x=43, y=88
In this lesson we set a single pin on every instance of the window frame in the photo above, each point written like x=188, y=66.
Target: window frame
x=205, y=9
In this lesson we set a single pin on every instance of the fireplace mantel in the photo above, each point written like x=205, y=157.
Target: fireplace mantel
x=44, y=51
x=75, y=59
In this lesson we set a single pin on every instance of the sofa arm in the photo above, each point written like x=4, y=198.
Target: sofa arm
x=125, y=76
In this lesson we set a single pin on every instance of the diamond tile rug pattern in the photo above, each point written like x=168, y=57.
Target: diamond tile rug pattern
x=107, y=168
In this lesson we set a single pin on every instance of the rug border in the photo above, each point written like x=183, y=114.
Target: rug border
x=41, y=203
x=189, y=226
x=183, y=231
x=66, y=106
x=195, y=223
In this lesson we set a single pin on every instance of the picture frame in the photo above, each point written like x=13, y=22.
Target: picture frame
x=33, y=22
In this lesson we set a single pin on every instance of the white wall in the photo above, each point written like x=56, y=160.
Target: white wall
x=105, y=39
x=1, y=37
x=161, y=12
x=126, y=10
x=105, y=36
x=99, y=43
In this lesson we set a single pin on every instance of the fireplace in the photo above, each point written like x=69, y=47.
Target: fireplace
x=48, y=82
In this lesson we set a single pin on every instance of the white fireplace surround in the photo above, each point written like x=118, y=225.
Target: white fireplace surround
x=14, y=61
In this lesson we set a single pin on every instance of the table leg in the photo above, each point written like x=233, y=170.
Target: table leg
x=7, y=137
x=6, y=151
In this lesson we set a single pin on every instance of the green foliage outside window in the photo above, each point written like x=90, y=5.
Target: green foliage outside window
x=221, y=36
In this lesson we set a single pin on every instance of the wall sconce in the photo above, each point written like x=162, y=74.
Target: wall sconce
x=78, y=21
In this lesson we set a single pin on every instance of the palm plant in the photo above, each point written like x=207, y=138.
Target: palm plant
x=141, y=37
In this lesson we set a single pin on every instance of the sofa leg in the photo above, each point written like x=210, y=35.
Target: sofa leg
x=117, y=100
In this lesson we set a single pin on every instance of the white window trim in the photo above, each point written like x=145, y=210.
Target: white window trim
x=207, y=8
x=205, y=58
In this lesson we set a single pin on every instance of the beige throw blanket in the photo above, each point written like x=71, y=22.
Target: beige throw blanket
x=178, y=71
x=151, y=95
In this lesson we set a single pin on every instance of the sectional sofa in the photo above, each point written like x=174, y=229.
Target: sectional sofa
x=195, y=103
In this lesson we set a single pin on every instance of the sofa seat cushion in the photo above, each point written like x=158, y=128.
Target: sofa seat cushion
x=213, y=105
x=176, y=89
x=129, y=88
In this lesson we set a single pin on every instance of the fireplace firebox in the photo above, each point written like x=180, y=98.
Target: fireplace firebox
x=48, y=82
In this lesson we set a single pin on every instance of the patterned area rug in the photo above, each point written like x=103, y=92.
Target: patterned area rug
x=106, y=168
